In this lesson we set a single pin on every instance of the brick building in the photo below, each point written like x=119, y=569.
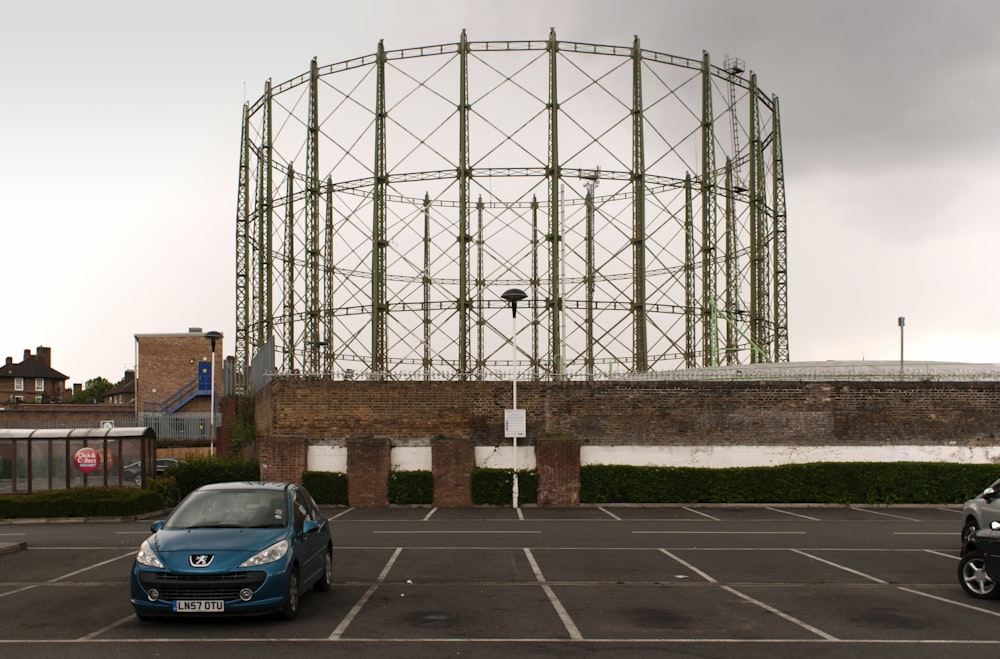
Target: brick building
x=174, y=382
x=32, y=380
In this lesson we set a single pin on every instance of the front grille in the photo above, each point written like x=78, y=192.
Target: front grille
x=201, y=586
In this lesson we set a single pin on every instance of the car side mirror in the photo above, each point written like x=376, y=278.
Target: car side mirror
x=156, y=526
x=309, y=526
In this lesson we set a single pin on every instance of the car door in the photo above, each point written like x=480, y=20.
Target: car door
x=311, y=546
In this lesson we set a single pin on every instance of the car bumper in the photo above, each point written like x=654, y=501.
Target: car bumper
x=154, y=592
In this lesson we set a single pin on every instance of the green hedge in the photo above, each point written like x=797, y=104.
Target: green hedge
x=821, y=482
x=326, y=487
x=494, y=487
x=411, y=487
x=195, y=472
x=81, y=502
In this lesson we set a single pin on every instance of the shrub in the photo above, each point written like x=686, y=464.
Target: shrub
x=81, y=502
x=411, y=487
x=326, y=487
x=495, y=487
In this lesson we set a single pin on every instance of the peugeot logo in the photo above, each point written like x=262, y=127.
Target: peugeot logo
x=200, y=560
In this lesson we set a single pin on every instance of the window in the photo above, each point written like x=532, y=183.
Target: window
x=18, y=384
x=38, y=399
x=39, y=384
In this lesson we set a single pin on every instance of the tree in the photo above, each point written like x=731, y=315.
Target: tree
x=94, y=391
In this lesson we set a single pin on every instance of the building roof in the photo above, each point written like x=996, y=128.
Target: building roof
x=31, y=368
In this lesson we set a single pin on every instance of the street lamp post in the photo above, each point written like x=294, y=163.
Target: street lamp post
x=902, y=323
x=214, y=336
x=514, y=295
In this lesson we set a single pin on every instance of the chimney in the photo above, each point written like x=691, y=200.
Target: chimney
x=10, y=361
x=44, y=355
x=27, y=354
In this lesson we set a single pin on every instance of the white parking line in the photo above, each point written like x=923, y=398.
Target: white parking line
x=953, y=602
x=839, y=566
x=743, y=533
x=341, y=514
x=91, y=567
x=941, y=553
x=609, y=513
x=567, y=621
x=781, y=614
x=430, y=514
x=876, y=512
x=788, y=512
x=356, y=609
x=698, y=512
x=767, y=607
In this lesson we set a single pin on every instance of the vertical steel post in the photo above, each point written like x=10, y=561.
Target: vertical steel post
x=756, y=239
x=480, y=285
x=242, y=348
x=464, y=332
x=379, y=243
x=555, y=237
x=732, y=270
x=590, y=280
x=709, y=272
x=329, y=286
x=312, y=255
x=535, y=282
x=427, y=286
x=268, y=270
x=289, y=259
x=690, y=297
x=640, y=355
x=780, y=249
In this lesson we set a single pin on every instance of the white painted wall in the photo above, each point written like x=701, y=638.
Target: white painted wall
x=418, y=458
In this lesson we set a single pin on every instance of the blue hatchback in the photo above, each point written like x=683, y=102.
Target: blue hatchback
x=233, y=549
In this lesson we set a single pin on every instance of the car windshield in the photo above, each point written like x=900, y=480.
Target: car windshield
x=230, y=509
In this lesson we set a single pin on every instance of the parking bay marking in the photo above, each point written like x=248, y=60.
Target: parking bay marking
x=567, y=621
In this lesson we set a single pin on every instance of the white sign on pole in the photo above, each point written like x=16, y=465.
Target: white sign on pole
x=514, y=423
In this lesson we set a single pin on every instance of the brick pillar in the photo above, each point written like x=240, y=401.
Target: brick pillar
x=228, y=408
x=368, y=462
x=282, y=459
x=558, y=463
x=452, y=462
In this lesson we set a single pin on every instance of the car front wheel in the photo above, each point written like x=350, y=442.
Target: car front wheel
x=291, y=609
x=974, y=578
x=326, y=580
x=969, y=535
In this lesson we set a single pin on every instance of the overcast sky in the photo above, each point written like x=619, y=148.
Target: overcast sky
x=121, y=128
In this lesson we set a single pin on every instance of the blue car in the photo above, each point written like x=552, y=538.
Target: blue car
x=233, y=549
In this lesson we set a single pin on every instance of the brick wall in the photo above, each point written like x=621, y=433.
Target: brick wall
x=558, y=461
x=562, y=417
x=453, y=461
x=368, y=461
x=681, y=413
x=169, y=362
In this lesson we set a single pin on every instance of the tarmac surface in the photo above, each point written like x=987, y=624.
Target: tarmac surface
x=706, y=581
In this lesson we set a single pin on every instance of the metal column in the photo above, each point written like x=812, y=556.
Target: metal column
x=242, y=348
x=640, y=357
x=709, y=272
x=380, y=315
x=554, y=175
x=289, y=265
x=690, y=299
x=780, y=244
x=311, y=351
x=463, y=304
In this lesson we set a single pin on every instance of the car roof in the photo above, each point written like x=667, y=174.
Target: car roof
x=247, y=485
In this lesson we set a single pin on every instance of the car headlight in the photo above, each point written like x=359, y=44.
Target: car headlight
x=269, y=555
x=147, y=556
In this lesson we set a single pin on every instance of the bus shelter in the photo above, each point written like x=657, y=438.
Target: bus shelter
x=53, y=459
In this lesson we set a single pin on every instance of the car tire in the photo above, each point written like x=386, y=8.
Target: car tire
x=291, y=609
x=326, y=580
x=974, y=578
x=969, y=536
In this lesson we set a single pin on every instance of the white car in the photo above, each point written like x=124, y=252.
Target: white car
x=980, y=513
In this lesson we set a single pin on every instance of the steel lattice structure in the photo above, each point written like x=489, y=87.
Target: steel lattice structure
x=386, y=202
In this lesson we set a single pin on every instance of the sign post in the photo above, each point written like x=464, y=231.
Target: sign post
x=514, y=421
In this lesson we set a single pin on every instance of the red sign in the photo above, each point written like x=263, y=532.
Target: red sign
x=87, y=460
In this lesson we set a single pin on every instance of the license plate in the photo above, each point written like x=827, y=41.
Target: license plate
x=199, y=606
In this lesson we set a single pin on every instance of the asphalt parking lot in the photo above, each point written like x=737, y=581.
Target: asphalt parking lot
x=707, y=581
